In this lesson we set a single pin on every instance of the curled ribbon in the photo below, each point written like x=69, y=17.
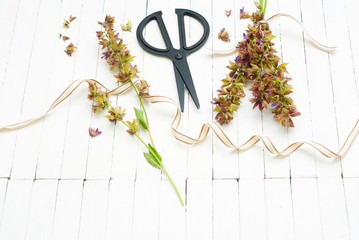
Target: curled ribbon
x=317, y=44
x=217, y=130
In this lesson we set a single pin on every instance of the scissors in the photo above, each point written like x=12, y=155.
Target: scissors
x=178, y=56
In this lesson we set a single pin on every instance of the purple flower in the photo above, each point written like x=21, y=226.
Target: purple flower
x=237, y=59
x=260, y=42
x=264, y=73
x=274, y=105
x=105, y=55
x=241, y=11
x=93, y=132
x=245, y=37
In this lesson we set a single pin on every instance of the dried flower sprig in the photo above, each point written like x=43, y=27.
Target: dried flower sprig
x=94, y=133
x=127, y=27
x=256, y=63
x=70, y=49
x=67, y=22
x=65, y=38
x=228, y=12
x=224, y=35
x=119, y=58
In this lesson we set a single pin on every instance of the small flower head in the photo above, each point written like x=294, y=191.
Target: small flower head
x=243, y=14
x=228, y=12
x=260, y=42
x=99, y=35
x=70, y=49
x=275, y=105
x=71, y=18
x=133, y=126
x=127, y=27
x=223, y=35
x=102, y=101
x=245, y=37
x=66, y=24
x=116, y=114
x=143, y=88
x=101, y=98
x=94, y=133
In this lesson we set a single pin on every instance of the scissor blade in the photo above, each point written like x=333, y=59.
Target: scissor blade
x=180, y=87
x=183, y=69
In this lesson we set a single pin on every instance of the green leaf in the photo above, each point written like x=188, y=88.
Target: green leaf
x=140, y=118
x=151, y=160
x=154, y=152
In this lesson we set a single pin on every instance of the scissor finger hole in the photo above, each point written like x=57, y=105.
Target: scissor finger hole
x=194, y=30
x=152, y=35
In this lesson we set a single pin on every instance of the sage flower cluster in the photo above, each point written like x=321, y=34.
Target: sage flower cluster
x=258, y=65
x=120, y=60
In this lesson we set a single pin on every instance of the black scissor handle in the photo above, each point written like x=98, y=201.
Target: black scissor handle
x=182, y=34
x=183, y=46
x=158, y=17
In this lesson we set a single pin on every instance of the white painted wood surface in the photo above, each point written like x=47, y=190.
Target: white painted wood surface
x=58, y=183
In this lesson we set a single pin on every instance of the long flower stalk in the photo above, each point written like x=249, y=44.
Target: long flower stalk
x=119, y=59
x=256, y=64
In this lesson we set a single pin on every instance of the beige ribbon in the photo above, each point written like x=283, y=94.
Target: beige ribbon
x=217, y=130
x=317, y=44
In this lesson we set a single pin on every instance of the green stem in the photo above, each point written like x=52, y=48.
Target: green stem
x=173, y=184
x=136, y=135
x=144, y=110
x=138, y=95
x=265, y=8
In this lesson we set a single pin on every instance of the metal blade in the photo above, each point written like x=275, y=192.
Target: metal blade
x=183, y=69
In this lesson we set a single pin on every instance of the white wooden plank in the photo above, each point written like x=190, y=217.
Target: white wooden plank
x=320, y=88
x=350, y=6
x=333, y=208
x=100, y=147
x=279, y=209
x=125, y=147
x=76, y=148
x=16, y=209
x=42, y=209
x=351, y=186
x=54, y=127
x=8, y=14
x=199, y=209
x=29, y=138
x=302, y=163
x=3, y=190
x=251, y=163
x=350, y=164
x=307, y=219
x=16, y=77
x=120, y=209
x=252, y=213
x=68, y=209
x=93, y=209
x=225, y=209
x=225, y=162
x=274, y=166
x=174, y=153
x=344, y=85
x=146, y=209
x=200, y=157
x=104, y=147
x=172, y=223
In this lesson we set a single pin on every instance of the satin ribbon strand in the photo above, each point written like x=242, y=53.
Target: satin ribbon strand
x=317, y=44
x=204, y=131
